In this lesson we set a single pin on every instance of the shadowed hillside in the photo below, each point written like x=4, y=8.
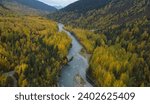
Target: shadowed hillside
x=28, y=6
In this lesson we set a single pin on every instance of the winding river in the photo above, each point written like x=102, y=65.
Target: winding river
x=74, y=73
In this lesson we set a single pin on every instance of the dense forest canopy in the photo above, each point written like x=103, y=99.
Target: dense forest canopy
x=118, y=37
x=32, y=51
x=116, y=34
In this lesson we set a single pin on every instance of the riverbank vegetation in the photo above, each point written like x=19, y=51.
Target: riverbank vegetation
x=33, y=48
x=87, y=38
x=116, y=34
x=124, y=59
x=120, y=59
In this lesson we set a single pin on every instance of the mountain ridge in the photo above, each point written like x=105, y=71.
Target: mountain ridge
x=85, y=5
x=37, y=5
x=28, y=6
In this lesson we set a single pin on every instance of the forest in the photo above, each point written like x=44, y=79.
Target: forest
x=120, y=57
x=88, y=39
x=32, y=51
x=125, y=59
x=118, y=38
x=116, y=34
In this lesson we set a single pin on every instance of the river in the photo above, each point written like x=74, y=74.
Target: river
x=74, y=73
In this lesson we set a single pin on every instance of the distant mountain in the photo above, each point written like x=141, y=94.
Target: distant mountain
x=27, y=6
x=85, y=5
x=36, y=5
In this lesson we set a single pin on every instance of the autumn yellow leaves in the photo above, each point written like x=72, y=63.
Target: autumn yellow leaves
x=33, y=49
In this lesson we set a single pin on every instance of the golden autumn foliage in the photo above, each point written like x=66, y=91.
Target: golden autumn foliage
x=120, y=56
x=113, y=66
x=87, y=38
x=33, y=49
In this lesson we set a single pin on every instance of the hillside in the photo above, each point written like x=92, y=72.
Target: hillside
x=32, y=51
x=3, y=10
x=117, y=36
x=85, y=5
x=116, y=12
x=115, y=33
x=28, y=6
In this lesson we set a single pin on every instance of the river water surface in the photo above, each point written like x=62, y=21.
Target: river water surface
x=74, y=73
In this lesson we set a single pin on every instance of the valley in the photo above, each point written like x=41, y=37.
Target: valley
x=117, y=36
x=103, y=43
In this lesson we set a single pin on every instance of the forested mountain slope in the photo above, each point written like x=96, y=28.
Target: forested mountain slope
x=115, y=12
x=32, y=51
x=121, y=54
x=4, y=10
x=85, y=5
x=28, y=6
